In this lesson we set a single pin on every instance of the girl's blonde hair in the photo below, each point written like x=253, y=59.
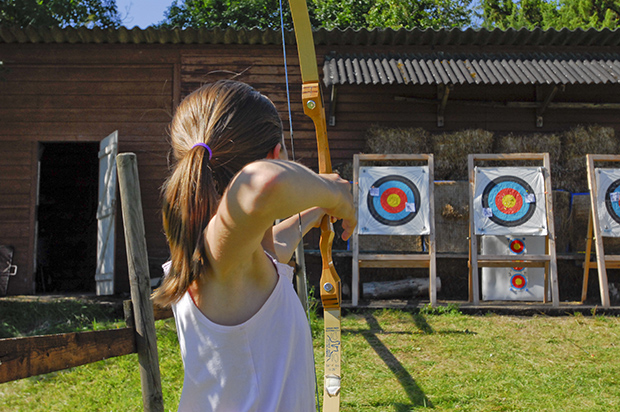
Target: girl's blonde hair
x=239, y=125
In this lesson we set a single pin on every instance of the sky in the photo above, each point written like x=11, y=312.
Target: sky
x=142, y=13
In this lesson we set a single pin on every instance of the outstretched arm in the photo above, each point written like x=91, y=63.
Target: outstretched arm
x=263, y=192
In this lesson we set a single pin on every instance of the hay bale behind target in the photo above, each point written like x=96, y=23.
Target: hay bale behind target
x=576, y=143
x=397, y=140
x=534, y=143
x=451, y=150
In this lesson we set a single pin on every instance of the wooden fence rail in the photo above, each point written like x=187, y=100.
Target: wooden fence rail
x=24, y=357
x=37, y=355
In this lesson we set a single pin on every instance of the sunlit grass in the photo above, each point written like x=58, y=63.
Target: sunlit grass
x=398, y=361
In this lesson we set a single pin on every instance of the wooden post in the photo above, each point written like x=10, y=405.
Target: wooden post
x=587, y=263
x=139, y=278
x=601, y=258
x=553, y=264
x=355, y=263
x=432, y=246
x=474, y=295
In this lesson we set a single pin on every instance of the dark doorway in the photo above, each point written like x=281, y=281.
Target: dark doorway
x=67, y=224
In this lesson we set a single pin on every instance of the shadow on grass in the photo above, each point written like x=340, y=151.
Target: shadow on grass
x=34, y=317
x=413, y=391
x=420, y=321
x=425, y=328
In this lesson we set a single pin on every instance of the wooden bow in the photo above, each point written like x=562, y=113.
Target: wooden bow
x=331, y=295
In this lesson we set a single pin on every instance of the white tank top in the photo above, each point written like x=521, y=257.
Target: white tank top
x=264, y=364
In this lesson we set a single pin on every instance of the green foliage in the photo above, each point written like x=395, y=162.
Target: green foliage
x=236, y=14
x=423, y=14
x=449, y=309
x=329, y=14
x=60, y=13
x=546, y=14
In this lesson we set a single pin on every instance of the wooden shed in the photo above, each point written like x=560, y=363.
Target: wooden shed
x=65, y=90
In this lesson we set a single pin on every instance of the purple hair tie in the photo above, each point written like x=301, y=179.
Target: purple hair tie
x=206, y=147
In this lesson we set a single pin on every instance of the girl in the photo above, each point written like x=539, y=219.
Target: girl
x=244, y=337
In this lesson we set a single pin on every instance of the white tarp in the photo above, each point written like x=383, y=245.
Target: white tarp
x=393, y=201
x=509, y=201
x=513, y=283
x=608, y=201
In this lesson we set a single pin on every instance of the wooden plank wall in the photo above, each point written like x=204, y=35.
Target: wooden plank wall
x=83, y=92
x=78, y=93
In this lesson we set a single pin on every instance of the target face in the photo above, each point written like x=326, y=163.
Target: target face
x=510, y=201
x=518, y=281
x=394, y=203
x=612, y=200
x=517, y=246
x=608, y=201
x=506, y=197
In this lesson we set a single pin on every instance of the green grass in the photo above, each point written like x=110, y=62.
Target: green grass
x=434, y=359
x=30, y=316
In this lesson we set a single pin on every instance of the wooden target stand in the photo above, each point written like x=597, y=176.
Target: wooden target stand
x=411, y=260
x=594, y=228
x=547, y=260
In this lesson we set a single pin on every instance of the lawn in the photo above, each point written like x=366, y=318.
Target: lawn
x=438, y=360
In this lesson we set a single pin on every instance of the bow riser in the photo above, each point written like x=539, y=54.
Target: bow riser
x=313, y=108
x=330, y=287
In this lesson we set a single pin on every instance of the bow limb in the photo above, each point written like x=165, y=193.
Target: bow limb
x=330, y=287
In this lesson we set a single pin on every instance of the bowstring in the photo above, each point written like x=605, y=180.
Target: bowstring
x=301, y=236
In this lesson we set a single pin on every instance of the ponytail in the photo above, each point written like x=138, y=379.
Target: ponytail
x=190, y=200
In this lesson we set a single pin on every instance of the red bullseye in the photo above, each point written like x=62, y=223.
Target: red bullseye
x=508, y=201
x=517, y=246
x=518, y=281
x=393, y=200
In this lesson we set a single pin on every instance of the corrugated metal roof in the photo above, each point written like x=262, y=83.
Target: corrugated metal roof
x=384, y=37
x=473, y=68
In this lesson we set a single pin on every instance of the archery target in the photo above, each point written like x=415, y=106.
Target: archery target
x=393, y=201
x=518, y=281
x=509, y=200
x=516, y=246
x=513, y=283
x=608, y=201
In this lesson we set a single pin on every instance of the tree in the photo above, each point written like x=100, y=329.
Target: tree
x=329, y=14
x=394, y=14
x=235, y=14
x=60, y=13
x=571, y=14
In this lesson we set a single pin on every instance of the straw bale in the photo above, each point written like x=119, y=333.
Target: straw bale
x=576, y=143
x=345, y=170
x=391, y=243
x=451, y=150
x=452, y=216
x=397, y=140
x=534, y=143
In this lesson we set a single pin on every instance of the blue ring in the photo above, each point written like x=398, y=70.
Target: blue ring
x=513, y=182
x=393, y=219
